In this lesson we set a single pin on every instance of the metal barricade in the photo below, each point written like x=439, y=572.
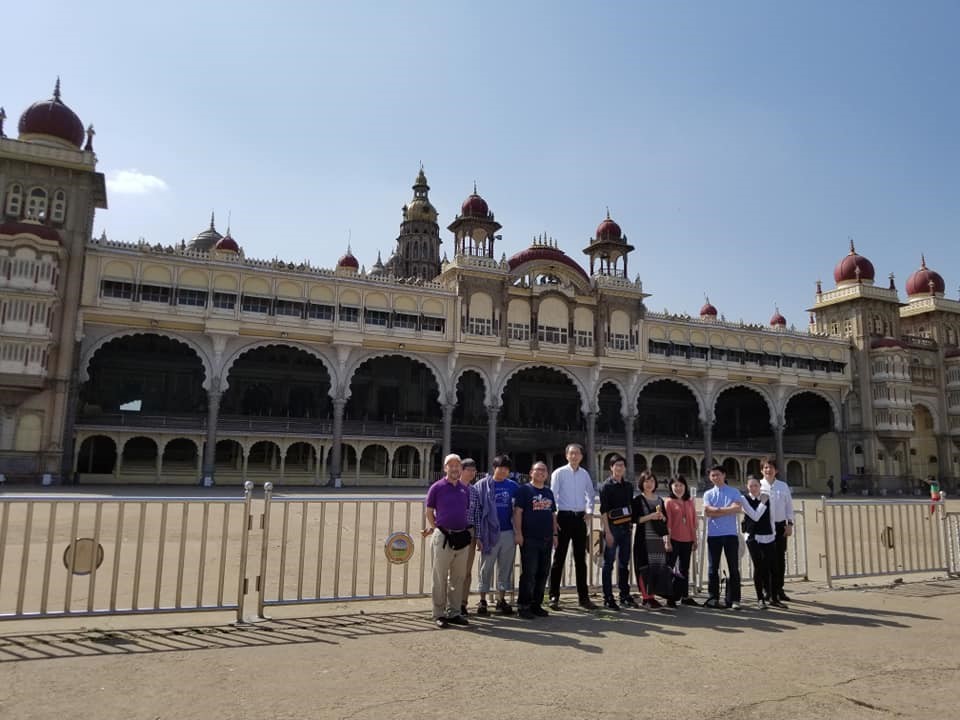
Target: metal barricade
x=797, y=564
x=317, y=550
x=952, y=521
x=82, y=556
x=864, y=538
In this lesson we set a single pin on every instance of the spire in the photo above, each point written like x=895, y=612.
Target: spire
x=3, y=116
x=228, y=221
x=853, y=250
x=608, y=212
x=90, y=133
x=474, y=187
x=892, y=285
x=212, y=221
x=56, y=89
x=923, y=262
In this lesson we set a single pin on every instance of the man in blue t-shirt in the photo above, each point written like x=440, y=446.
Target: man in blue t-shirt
x=721, y=505
x=495, y=530
x=535, y=531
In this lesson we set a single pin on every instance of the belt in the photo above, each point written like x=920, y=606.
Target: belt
x=580, y=513
x=448, y=530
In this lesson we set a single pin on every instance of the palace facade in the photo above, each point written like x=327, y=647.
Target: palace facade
x=136, y=362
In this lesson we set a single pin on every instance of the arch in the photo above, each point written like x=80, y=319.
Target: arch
x=180, y=451
x=661, y=466
x=406, y=462
x=834, y=407
x=577, y=384
x=479, y=371
x=771, y=406
x=687, y=466
x=753, y=467
x=86, y=356
x=97, y=454
x=618, y=384
x=117, y=270
x=679, y=381
x=639, y=462
x=466, y=410
x=932, y=409
x=794, y=473
x=610, y=404
x=373, y=355
x=300, y=456
x=264, y=455
x=139, y=450
x=375, y=459
x=731, y=466
x=228, y=454
x=229, y=362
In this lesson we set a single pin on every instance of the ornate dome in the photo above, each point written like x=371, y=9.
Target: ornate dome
x=546, y=254
x=609, y=230
x=227, y=244
x=206, y=240
x=919, y=282
x=52, y=119
x=347, y=260
x=708, y=310
x=30, y=228
x=846, y=269
x=475, y=206
x=777, y=320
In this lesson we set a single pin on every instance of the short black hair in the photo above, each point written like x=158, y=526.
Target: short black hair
x=468, y=463
x=686, y=488
x=614, y=459
x=503, y=461
x=718, y=468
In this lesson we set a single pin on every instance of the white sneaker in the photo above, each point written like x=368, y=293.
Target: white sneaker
x=761, y=604
x=735, y=606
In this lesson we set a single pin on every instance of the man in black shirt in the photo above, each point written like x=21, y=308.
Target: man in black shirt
x=616, y=494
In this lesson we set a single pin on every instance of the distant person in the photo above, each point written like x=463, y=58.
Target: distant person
x=574, y=493
x=782, y=516
x=616, y=497
x=535, y=532
x=830, y=485
x=844, y=484
x=446, y=515
x=468, y=476
x=682, y=528
x=495, y=531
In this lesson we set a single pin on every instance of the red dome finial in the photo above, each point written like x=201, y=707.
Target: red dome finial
x=708, y=311
x=778, y=320
x=475, y=206
x=609, y=230
x=925, y=281
x=347, y=260
x=854, y=268
x=52, y=119
x=56, y=89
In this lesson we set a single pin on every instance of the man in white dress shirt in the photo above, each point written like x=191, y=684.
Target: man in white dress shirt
x=781, y=514
x=573, y=492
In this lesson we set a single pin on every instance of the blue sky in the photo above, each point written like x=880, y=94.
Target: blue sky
x=738, y=144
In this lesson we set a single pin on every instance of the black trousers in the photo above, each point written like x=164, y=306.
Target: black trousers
x=681, y=558
x=534, y=567
x=572, y=528
x=762, y=556
x=778, y=566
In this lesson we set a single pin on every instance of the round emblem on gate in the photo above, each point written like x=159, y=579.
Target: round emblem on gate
x=83, y=556
x=398, y=548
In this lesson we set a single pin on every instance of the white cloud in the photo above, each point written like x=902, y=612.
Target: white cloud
x=134, y=182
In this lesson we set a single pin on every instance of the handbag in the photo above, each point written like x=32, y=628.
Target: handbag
x=457, y=539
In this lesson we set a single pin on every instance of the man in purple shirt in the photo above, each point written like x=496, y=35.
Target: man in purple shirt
x=447, y=521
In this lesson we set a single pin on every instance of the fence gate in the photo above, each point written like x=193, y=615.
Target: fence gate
x=63, y=555
x=864, y=538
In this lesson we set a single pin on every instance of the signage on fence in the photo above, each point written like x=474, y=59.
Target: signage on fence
x=83, y=556
x=398, y=548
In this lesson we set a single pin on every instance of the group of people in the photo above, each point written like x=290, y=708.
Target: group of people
x=495, y=515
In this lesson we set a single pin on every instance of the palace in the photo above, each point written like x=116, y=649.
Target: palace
x=131, y=362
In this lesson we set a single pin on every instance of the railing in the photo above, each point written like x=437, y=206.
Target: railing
x=122, y=556
x=952, y=522
x=865, y=538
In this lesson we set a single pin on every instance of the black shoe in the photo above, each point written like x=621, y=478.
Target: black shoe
x=555, y=603
x=442, y=623
x=629, y=602
x=463, y=610
x=588, y=604
x=672, y=604
x=783, y=597
x=482, y=608
x=690, y=601
x=652, y=604
x=539, y=611
x=611, y=604
x=458, y=620
x=526, y=614
x=712, y=603
x=777, y=604
x=503, y=607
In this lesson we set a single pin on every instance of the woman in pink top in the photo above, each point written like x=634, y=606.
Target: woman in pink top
x=682, y=532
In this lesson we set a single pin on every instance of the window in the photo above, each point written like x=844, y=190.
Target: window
x=376, y=317
x=619, y=341
x=194, y=298
x=406, y=321
x=116, y=289
x=480, y=326
x=320, y=312
x=433, y=324
x=349, y=314
x=224, y=301
x=37, y=204
x=154, y=293
x=518, y=331
x=255, y=304
x=14, y=200
x=58, y=212
x=289, y=308
x=584, y=338
x=553, y=335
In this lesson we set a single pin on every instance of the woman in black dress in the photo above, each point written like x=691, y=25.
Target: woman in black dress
x=654, y=577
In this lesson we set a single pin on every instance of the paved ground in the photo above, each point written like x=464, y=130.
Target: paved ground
x=855, y=653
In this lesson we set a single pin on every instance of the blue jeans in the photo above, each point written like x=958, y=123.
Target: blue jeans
x=619, y=551
x=728, y=545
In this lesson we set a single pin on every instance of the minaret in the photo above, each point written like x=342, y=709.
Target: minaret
x=474, y=229
x=607, y=249
x=418, y=244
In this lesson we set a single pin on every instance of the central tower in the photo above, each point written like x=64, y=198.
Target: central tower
x=418, y=246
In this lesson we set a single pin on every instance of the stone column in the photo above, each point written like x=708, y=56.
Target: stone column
x=492, y=412
x=591, y=452
x=210, y=449
x=944, y=457
x=629, y=421
x=707, y=446
x=160, y=461
x=335, y=453
x=447, y=427
x=8, y=423
x=781, y=466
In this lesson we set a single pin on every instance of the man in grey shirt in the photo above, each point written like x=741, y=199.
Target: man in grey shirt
x=574, y=492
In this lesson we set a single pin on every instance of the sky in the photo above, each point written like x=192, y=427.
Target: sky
x=738, y=144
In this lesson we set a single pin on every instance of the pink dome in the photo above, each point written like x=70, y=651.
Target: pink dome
x=846, y=269
x=474, y=206
x=708, y=310
x=51, y=117
x=348, y=260
x=919, y=282
x=545, y=253
x=30, y=228
x=778, y=320
x=227, y=244
x=609, y=230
